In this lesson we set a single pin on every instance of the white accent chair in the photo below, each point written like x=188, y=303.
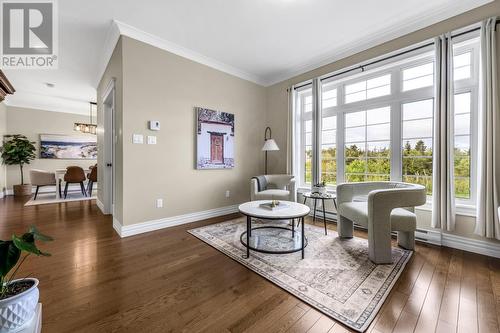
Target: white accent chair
x=390, y=207
x=279, y=187
x=41, y=178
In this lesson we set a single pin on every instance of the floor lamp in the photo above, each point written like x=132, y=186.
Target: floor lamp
x=269, y=144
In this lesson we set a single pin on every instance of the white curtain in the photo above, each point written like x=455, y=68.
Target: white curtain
x=488, y=167
x=290, y=133
x=443, y=189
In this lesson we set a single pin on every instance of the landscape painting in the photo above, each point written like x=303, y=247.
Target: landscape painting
x=215, y=139
x=68, y=147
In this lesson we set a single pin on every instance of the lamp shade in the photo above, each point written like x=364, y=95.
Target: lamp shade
x=270, y=144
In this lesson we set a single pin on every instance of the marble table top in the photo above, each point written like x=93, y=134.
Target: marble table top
x=290, y=210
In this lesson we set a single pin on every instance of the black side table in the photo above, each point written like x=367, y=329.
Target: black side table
x=319, y=196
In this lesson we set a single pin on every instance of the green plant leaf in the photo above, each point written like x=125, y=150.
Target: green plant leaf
x=27, y=246
x=38, y=235
x=9, y=255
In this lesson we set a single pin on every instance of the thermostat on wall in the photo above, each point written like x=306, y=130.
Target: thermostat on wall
x=154, y=125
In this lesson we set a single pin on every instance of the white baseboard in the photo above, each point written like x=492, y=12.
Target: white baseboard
x=139, y=228
x=438, y=238
x=117, y=226
x=2, y=194
x=100, y=205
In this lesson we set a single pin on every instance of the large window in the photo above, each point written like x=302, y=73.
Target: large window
x=377, y=123
x=367, y=145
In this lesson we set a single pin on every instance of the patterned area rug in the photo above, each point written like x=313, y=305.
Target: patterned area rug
x=336, y=276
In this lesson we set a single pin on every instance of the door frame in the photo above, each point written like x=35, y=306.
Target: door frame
x=109, y=139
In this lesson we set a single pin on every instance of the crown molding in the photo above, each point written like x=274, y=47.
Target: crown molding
x=422, y=21
x=326, y=57
x=118, y=29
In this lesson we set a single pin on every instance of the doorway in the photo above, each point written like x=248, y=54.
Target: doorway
x=109, y=140
x=217, y=148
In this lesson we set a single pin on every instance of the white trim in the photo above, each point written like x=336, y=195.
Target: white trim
x=119, y=28
x=424, y=20
x=117, y=226
x=436, y=237
x=487, y=248
x=100, y=205
x=112, y=38
x=2, y=194
x=147, y=226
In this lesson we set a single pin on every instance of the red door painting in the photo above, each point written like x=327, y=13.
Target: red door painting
x=217, y=148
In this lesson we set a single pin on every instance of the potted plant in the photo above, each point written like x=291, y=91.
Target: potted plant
x=17, y=149
x=319, y=188
x=18, y=297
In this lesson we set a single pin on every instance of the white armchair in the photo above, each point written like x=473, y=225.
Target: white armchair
x=275, y=187
x=41, y=178
x=390, y=207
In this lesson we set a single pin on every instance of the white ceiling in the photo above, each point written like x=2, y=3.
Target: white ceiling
x=264, y=41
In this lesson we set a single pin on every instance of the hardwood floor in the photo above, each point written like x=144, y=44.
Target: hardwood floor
x=169, y=281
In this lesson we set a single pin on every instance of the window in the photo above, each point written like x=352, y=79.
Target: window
x=418, y=76
x=417, y=142
x=377, y=124
x=367, y=145
x=376, y=87
x=304, y=108
x=329, y=150
x=462, y=106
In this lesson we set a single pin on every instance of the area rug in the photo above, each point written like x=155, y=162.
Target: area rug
x=50, y=198
x=336, y=277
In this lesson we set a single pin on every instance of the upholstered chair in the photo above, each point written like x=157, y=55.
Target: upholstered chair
x=387, y=206
x=273, y=187
x=92, y=177
x=41, y=178
x=74, y=174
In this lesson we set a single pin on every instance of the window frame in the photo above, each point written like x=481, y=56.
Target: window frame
x=395, y=100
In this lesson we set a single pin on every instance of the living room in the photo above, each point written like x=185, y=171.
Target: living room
x=252, y=174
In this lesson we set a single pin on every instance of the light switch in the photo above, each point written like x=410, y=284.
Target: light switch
x=151, y=140
x=138, y=138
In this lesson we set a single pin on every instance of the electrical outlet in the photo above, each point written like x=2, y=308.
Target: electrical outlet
x=159, y=203
x=228, y=194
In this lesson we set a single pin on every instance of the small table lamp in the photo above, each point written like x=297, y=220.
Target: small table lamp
x=269, y=145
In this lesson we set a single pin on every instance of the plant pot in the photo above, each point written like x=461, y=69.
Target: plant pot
x=22, y=190
x=18, y=310
x=319, y=189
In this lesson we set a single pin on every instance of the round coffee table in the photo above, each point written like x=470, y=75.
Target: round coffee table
x=288, y=211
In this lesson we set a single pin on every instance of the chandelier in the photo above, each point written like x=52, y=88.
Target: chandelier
x=89, y=127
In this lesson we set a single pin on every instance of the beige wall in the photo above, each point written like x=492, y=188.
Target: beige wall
x=3, y=130
x=32, y=123
x=114, y=70
x=158, y=85
x=277, y=95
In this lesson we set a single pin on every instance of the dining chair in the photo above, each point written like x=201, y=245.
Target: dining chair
x=92, y=177
x=41, y=178
x=74, y=174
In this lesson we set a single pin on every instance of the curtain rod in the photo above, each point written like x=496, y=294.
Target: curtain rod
x=362, y=67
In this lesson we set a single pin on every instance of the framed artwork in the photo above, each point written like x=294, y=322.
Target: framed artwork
x=215, y=139
x=68, y=147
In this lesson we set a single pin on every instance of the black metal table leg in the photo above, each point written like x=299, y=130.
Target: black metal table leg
x=314, y=212
x=293, y=228
x=302, y=235
x=324, y=214
x=249, y=228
